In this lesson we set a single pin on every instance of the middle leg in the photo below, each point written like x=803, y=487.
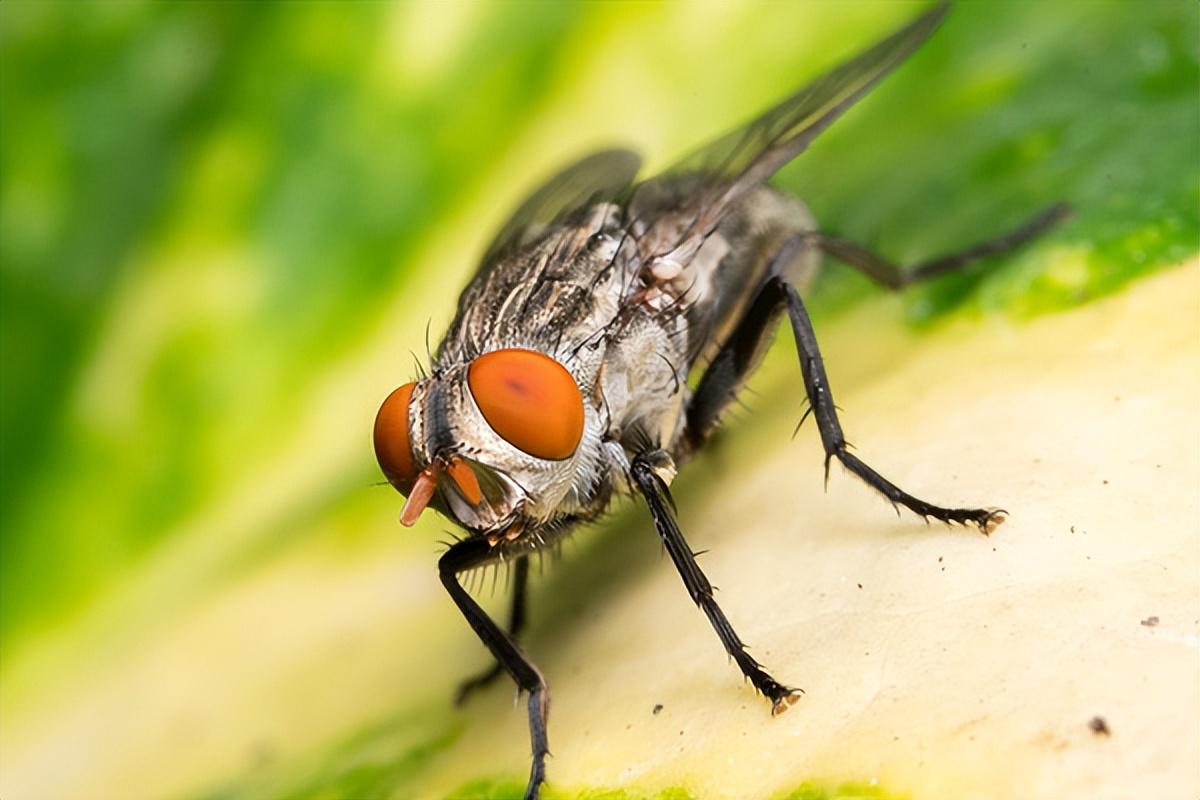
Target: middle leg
x=654, y=490
x=739, y=355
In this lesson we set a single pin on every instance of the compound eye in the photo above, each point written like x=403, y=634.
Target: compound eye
x=393, y=449
x=530, y=399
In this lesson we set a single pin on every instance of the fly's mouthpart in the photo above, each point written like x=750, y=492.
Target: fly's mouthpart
x=419, y=496
x=462, y=476
x=454, y=476
x=476, y=495
x=505, y=535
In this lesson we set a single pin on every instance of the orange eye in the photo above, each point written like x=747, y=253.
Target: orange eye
x=529, y=399
x=392, y=447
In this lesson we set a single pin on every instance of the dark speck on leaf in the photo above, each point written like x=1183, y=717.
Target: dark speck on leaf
x=657, y=708
x=1099, y=726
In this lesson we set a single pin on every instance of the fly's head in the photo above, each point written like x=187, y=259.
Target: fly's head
x=495, y=443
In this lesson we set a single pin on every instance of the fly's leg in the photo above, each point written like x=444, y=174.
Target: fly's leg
x=463, y=556
x=516, y=622
x=737, y=357
x=812, y=367
x=657, y=496
x=892, y=276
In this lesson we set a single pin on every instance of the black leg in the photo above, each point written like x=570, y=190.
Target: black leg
x=737, y=357
x=893, y=276
x=657, y=498
x=742, y=352
x=476, y=552
x=821, y=400
x=516, y=622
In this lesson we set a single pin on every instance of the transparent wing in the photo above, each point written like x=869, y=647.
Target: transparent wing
x=601, y=176
x=722, y=172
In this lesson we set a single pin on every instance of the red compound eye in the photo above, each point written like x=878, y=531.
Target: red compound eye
x=392, y=446
x=531, y=400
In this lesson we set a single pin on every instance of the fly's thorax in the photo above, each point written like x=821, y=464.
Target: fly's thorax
x=557, y=293
x=644, y=383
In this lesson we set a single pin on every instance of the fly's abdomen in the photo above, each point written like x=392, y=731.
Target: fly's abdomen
x=734, y=262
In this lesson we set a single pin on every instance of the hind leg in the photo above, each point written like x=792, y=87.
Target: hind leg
x=892, y=276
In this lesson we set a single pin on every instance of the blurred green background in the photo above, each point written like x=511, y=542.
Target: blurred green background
x=224, y=226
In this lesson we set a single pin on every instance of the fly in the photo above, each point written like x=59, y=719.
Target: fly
x=563, y=379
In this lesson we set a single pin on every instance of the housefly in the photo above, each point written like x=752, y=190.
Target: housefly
x=564, y=378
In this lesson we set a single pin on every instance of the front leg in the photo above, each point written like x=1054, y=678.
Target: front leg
x=654, y=490
x=476, y=552
x=516, y=622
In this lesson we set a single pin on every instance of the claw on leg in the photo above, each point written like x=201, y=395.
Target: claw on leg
x=992, y=519
x=782, y=703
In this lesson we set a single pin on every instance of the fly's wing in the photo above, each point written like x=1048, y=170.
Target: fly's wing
x=683, y=205
x=599, y=177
